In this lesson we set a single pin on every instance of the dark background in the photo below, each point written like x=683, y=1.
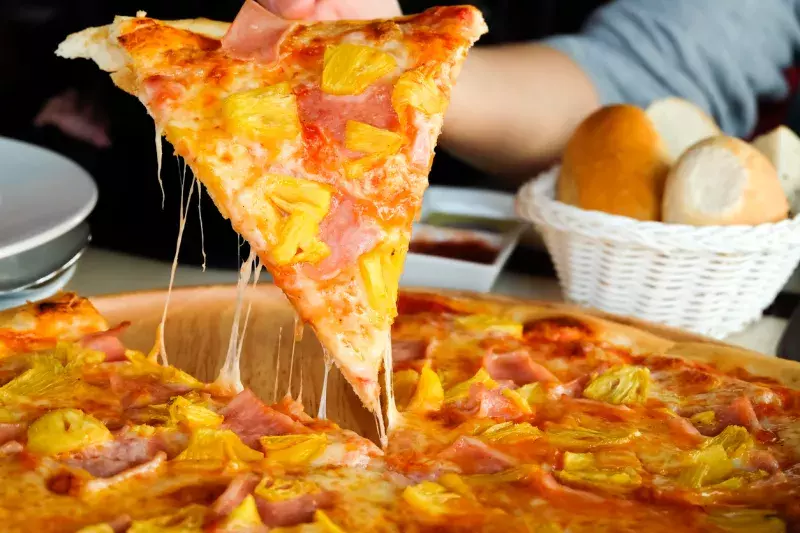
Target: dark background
x=128, y=216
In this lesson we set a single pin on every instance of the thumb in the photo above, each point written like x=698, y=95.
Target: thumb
x=291, y=9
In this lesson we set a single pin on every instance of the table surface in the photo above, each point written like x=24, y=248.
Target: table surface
x=105, y=272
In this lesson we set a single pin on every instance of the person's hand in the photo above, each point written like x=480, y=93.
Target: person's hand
x=333, y=9
x=76, y=119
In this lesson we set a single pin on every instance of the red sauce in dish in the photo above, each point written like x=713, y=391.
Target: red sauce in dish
x=472, y=250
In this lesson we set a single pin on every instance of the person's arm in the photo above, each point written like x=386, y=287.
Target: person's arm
x=514, y=107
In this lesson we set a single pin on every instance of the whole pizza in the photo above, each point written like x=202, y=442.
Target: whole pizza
x=512, y=417
x=315, y=139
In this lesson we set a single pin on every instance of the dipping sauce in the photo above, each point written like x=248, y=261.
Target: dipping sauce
x=472, y=250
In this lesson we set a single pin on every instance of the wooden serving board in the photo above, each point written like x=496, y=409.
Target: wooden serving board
x=199, y=325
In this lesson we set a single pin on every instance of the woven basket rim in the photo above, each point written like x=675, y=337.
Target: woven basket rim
x=536, y=203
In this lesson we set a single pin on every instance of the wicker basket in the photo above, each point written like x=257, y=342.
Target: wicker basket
x=709, y=280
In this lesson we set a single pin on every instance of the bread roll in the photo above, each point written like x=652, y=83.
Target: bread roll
x=782, y=148
x=681, y=125
x=723, y=181
x=615, y=162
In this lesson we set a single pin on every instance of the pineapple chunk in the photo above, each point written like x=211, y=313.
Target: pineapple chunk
x=747, y=521
x=66, y=430
x=619, y=481
x=380, y=270
x=582, y=439
x=97, y=528
x=416, y=90
x=243, y=518
x=461, y=391
x=297, y=241
x=362, y=137
x=708, y=466
x=293, y=450
x=46, y=378
x=350, y=68
x=278, y=490
x=187, y=520
x=490, y=324
x=404, y=384
x=215, y=446
x=623, y=385
x=429, y=395
x=191, y=415
x=268, y=115
x=533, y=393
x=431, y=499
x=508, y=432
x=517, y=400
x=582, y=469
x=706, y=418
x=355, y=168
x=294, y=238
x=455, y=483
x=294, y=195
x=324, y=521
x=735, y=440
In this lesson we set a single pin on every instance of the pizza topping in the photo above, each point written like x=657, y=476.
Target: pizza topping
x=111, y=458
x=740, y=412
x=250, y=418
x=214, y=446
x=361, y=137
x=473, y=456
x=288, y=502
x=490, y=324
x=350, y=68
x=65, y=430
x=183, y=412
x=414, y=89
x=256, y=33
x=735, y=440
x=517, y=366
x=511, y=433
x=406, y=351
x=746, y=521
x=144, y=470
x=627, y=385
x=107, y=342
x=10, y=432
x=584, y=439
x=267, y=115
x=190, y=519
x=432, y=499
x=381, y=269
x=327, y=525
x=429, y=395
x=293, y=450
x=462, y=390
x=237, y=491
x=582, y=470
x=244, y=518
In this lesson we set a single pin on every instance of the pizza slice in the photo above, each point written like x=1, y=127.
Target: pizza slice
x=314, y=139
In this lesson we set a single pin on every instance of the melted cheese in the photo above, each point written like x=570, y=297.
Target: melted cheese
x=159, y=349
x=230, y=373
x=278, y=366
x=159, y=155
x=323, y=401
x=200, y=218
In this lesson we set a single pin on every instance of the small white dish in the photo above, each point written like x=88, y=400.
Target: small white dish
x=42, y=196
x=461, y=223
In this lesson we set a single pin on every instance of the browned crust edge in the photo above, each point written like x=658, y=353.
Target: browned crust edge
x=637, y=335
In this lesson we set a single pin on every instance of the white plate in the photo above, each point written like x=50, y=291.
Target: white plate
x=41, y=292
x=42, y=196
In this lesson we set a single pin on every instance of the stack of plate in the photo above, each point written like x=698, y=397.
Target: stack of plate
x=44, y=201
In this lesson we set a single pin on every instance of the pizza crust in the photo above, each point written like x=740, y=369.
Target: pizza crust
x=637, y=335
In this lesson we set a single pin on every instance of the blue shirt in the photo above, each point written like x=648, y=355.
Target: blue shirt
x=724, y=55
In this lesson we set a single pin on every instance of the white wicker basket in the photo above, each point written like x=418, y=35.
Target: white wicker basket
x=710, y=280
